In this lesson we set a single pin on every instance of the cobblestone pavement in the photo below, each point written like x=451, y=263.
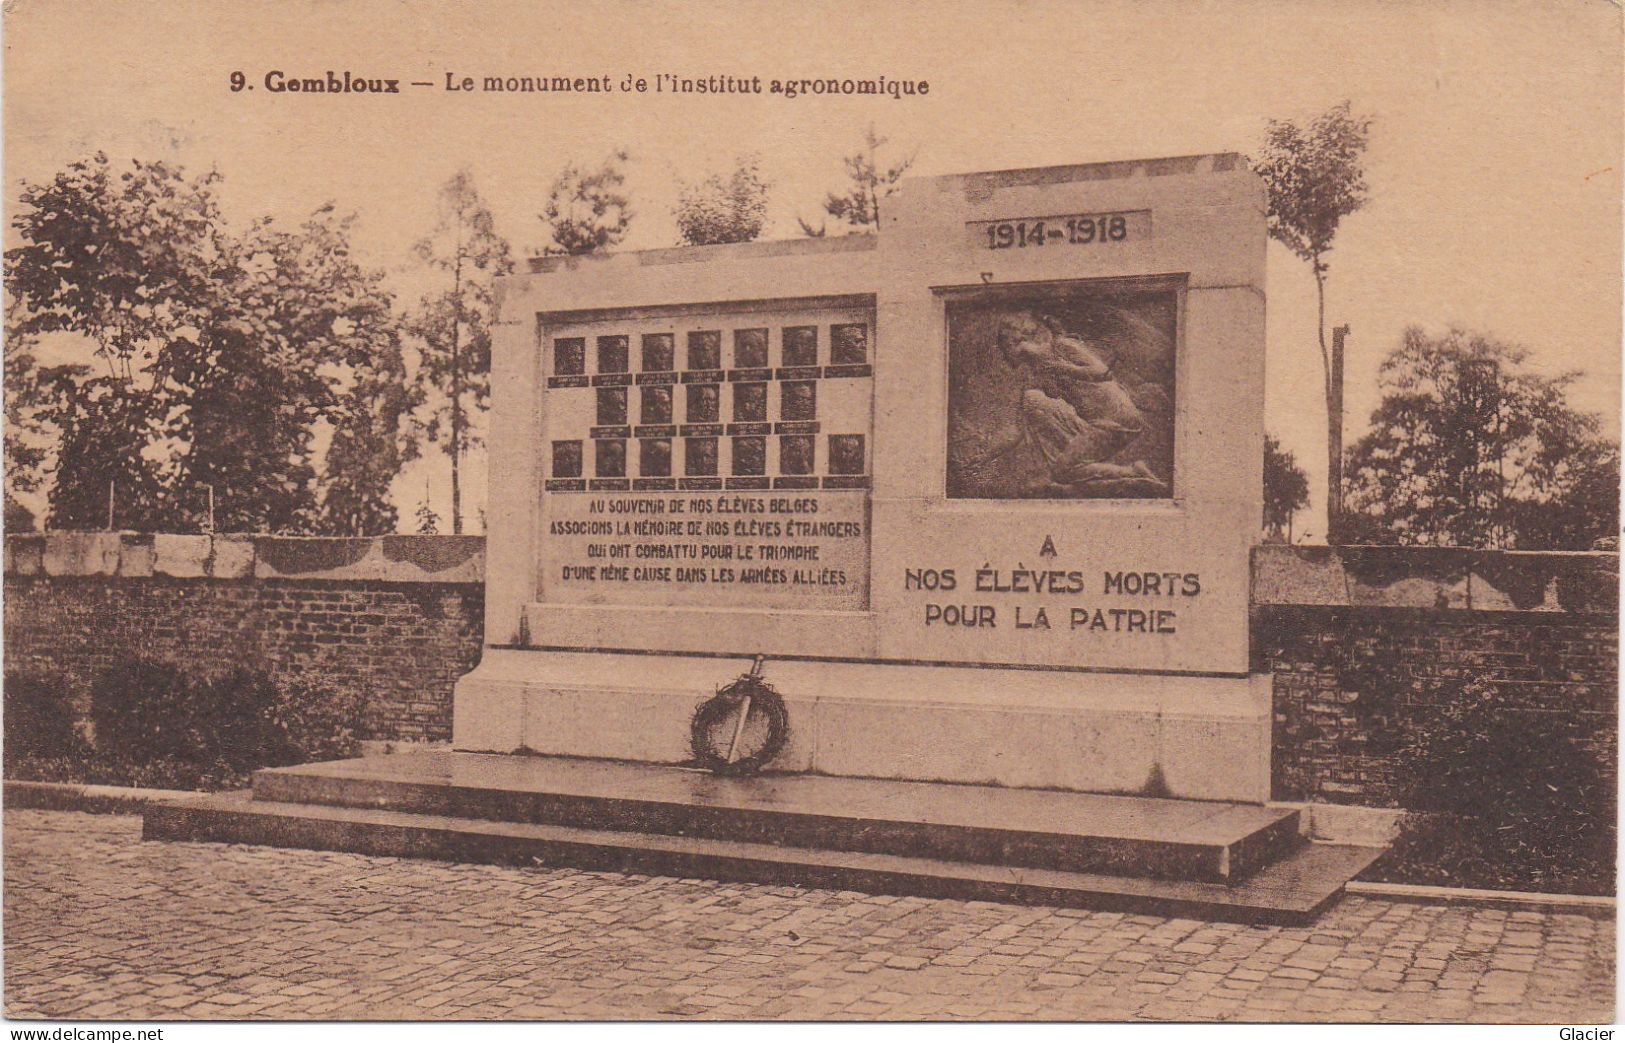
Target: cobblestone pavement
x=101, y=925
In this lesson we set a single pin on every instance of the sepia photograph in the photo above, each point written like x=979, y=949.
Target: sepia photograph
x=1015, y=512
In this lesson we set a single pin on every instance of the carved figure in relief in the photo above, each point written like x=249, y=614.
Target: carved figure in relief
x=1075, y=411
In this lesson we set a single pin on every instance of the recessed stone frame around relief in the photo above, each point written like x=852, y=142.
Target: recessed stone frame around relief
x=1063, y=393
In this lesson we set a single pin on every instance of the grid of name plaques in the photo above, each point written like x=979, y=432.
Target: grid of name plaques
x=724, y=402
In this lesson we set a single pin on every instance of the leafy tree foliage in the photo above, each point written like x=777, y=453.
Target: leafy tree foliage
x=372, y=436
x=858, y=207
x=1585, y=513
x=1470, y=448
x=588, y=210
x=223, y=352
x=263, y=380
x=103, y=464
x=1286, y=490
x=351, y=337
x=724, y=210
x=18, y=518
x=1315, y=177
x=123, y=259
x=453, y=326
x=371, y=442
x=27, y=439
x=428, y=520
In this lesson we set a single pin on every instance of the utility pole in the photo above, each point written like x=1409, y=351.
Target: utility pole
x=110, y=495
x=1334, y=435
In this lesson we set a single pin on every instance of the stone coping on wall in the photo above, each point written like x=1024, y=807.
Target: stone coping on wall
x=1436, y=578
x=386, y=559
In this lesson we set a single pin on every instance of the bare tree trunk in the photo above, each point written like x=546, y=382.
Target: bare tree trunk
x=874, y=182
x=456, y=447
x=1334, y=419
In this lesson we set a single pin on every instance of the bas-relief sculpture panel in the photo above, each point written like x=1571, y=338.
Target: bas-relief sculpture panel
x=1062, y=397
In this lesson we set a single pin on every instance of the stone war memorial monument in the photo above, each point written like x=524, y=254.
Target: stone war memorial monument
x=982, y=488
x=975, y=495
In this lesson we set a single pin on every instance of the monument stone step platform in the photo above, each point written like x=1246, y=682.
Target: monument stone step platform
x=1212, y=860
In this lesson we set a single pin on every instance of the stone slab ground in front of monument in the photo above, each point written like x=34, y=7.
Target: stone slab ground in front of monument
x=981, y=486
x=1181, y=858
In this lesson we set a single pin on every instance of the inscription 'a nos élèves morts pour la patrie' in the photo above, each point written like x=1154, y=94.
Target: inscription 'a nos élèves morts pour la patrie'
x=1157, y=591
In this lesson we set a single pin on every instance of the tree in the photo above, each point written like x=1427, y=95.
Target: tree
x=1315, y=177
x=454, y=326
x=1286, y=490
x=293, y=323
x=1584, y=515
x=224, y=352
x=588, y=211
x=719, y=210
x=18, y=518
x=105, y=475
x=428, y=521
x=859, y=206
x=27, y=440
x=372, y=436
x=1469, y=448
x=126, y=260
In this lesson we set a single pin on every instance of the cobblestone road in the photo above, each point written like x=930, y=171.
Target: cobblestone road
x=101, y=925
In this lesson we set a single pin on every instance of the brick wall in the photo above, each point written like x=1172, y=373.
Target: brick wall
x=1365, y=644
x=398, y=618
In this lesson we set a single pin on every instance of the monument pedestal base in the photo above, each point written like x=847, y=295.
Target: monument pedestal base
x=1194, y=737
x=1207, y=859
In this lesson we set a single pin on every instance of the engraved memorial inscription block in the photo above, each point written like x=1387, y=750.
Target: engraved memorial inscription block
x=679, y=504
x=982, y=486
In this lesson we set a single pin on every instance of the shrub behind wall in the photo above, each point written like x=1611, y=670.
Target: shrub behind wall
x=1505, y=797
x=170, y=726
x=39, y=722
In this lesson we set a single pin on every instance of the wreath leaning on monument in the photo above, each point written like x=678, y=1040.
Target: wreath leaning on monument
x=741, y=728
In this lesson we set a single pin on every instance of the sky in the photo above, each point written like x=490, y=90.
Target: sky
x=1494, y=162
